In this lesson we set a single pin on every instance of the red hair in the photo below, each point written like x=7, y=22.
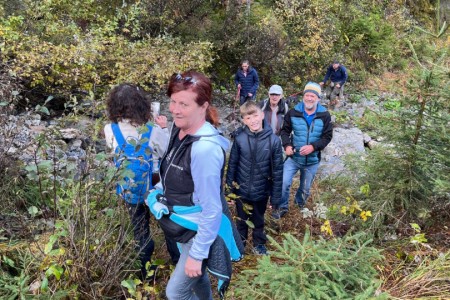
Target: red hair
x=199, y=84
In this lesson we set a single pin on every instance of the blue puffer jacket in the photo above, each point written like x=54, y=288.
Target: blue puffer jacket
x=340, y=75
x=249, y=83
x=318, y=135
x=256, y=165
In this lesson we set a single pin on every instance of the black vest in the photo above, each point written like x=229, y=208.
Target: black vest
x=178, y=185
x=175, y=171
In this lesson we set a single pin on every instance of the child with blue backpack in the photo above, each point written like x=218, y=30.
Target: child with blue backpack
x=137, y=146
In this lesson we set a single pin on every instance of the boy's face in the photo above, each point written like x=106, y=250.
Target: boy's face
x=254, y=121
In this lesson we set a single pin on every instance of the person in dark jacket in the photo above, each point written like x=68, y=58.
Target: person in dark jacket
x=247, y=82
x=274, y=108
x=337, y=74
x=306, y=131
x=255, y=172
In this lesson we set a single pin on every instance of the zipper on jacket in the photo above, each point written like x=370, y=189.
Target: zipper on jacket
x=170, y=164
x=253, y=161
x=310, y=129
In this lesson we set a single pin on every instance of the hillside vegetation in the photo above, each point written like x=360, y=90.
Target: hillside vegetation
x=382, y=234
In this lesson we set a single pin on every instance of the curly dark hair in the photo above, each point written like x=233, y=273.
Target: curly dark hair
x=128, y=101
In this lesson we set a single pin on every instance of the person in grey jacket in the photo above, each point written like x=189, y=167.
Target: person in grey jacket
x=274, y=108
x=255, y=173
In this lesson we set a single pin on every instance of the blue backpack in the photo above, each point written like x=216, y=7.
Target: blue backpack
x=135, y=166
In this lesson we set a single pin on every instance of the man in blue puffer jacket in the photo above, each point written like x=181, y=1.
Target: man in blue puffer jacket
x=306, y=131
x=247, y=82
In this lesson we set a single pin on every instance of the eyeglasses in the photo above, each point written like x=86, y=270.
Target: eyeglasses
x=188, y=79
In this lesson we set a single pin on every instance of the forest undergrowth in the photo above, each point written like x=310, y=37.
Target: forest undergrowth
x=380, y=231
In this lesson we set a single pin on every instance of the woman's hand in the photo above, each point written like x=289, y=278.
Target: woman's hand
x=161, y=121
x=193, y=267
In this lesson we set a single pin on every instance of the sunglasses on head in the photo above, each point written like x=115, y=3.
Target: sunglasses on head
x=187, y=79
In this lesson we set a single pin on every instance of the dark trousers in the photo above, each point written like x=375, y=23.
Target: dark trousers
x=140, y=219
x=171, y=245
x=174, y=252
x=245, y=98
x=254, y=215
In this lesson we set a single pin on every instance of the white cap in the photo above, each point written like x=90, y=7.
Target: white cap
x=276, y=89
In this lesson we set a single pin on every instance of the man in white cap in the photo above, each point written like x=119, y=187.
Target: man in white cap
x=307, y=130
x=274, y=108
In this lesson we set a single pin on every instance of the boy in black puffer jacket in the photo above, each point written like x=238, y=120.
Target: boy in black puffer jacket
x=255, y=173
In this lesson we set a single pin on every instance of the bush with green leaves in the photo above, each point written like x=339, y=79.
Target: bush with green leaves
x=60, y=50
x=372, y=34
x=77, y=229
x=312, y=32
x=339, y=268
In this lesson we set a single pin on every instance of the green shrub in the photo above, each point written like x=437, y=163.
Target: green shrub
x=87, y=50
x=371, y=40
x=90, y=249
x=308, y=269
x=312, y=33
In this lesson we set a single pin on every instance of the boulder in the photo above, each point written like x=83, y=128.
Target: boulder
x=345, y=141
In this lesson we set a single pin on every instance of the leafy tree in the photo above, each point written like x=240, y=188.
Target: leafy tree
x=58, y=49
x=312, y=31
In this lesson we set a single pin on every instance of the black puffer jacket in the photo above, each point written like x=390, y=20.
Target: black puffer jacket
x=256, y=165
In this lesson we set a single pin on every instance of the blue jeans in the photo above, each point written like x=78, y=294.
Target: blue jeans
x=307, y=174
x=181, y=286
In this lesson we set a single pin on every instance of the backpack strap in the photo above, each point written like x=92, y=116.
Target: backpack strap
x=263, y=108
x=148, y=133
x=286, y=107
x=118, y=135
x=120, y=138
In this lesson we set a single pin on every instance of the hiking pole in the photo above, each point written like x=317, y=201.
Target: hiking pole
x=295, y=94
x=236, y=100
x=292, y=97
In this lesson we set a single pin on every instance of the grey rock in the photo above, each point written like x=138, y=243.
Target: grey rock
x=366, y=138
x=78, y=154
x=70, y=133
x=345, y=141
x=372, y=144
x=12, y=150
x=76, y=144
